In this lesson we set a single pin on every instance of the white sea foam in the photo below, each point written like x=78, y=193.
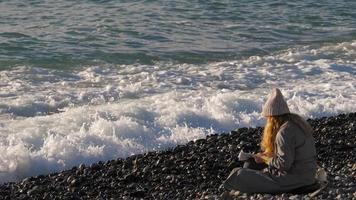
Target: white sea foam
x=52, y=120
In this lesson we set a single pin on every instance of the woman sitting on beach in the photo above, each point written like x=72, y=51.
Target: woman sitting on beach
x=288, y=159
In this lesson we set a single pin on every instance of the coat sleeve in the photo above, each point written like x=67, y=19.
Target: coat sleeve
x=285, y=150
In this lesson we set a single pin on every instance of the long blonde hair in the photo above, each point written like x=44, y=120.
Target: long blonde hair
x=273, y=124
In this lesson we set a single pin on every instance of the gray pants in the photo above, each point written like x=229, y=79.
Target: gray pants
x=251, y=179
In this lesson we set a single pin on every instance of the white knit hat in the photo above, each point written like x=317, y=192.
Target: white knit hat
x=275, y=104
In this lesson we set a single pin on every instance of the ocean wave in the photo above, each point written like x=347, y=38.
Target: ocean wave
x=51, y=120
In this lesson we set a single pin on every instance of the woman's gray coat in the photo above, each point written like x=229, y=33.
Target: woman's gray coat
x=293, y=166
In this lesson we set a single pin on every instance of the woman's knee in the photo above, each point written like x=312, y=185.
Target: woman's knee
x=234, y=171
x=233, y=181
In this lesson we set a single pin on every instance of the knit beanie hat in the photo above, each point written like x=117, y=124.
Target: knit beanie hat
x=275, y=104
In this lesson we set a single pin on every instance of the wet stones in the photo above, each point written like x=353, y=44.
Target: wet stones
x=81, y=167
x=95, y=166
x=130, y=178
x=193, y=171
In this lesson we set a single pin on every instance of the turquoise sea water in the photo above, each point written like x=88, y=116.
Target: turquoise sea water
x=83, y=81
x=69, y=34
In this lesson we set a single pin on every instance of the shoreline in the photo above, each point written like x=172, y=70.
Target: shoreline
x=194, y=170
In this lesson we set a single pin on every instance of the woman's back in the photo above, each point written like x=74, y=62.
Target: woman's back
x=301, y=156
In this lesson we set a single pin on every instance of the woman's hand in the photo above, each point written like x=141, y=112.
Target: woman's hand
x=258, y=158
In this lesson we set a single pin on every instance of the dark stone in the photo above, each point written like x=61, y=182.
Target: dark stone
x=81, y=167
x=138, y=194
x=95, y=166
x=33, y=191
x=129, y=178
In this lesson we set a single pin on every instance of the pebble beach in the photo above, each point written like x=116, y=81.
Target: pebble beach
x=155, y=99
x=194, y=170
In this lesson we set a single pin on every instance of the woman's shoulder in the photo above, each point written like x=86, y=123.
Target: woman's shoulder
x=289, y=127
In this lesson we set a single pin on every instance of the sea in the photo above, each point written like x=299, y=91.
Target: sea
x=89, y=80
